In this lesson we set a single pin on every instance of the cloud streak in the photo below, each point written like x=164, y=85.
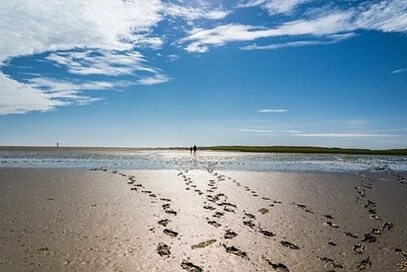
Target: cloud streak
x=386, y=16
x=273, y=110
x=399, y=71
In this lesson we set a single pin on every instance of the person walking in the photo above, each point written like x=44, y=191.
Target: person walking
x=195, y=149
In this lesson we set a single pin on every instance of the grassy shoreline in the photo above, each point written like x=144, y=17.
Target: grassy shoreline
x=307, y=150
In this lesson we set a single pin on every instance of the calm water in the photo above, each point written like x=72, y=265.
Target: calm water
x=203, y=160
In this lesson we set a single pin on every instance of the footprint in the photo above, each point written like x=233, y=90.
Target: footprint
x=226, y=209
x=207, y=207
x=163, y=249
x=230, y=234
x=358, y=248
x=164, y=222
x=289, y=245
x=249, y=223
x=190, y=267
x=331, y=224
x=165, y=199
x=400, y=251
x=364, y=264
x=251, y=216
x=214, y=223
x=369, y=238
x=330, y=261
x=171, y=212
x=350, y=234
x=388, y=225
x=218, y=215
x=329, y=216
x=236, y=251
x=171, y=233
x=278, y=266
x=267, y=233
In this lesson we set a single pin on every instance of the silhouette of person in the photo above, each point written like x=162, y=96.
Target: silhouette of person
x=195, y=149
x=190, y=149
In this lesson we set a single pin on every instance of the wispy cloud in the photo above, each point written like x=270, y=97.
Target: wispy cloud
x=192, y=13
x=399, y=71
x=330, y=24
x=331, y=39
x=21, y=98
x=255, y=130
x=274, y=6
x=273, y=110
x=101, y=62
x=153, y=80
x=386, y=16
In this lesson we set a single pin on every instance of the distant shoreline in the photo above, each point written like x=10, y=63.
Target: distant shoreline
x=252, y=149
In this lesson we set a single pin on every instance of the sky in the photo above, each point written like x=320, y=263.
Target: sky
x=162, y=73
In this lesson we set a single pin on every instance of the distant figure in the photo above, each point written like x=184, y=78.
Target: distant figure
x=195, y=149
x=190, y=149
x=57, y=144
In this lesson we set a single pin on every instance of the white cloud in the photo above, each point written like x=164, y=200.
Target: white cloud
x=101, y=33
x=20, y=98
x=274, y=6
x=327, y=25
x=101, y=62
x=255, y=130
x=152, y=80
x=399, y=71
x=273, y=110
x=33, y=26
x=331, y=40
x=191, y=13
x=388, y=16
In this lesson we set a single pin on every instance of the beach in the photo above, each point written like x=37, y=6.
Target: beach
x=197, y=220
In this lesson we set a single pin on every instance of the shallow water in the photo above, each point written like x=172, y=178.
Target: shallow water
x=164, y=159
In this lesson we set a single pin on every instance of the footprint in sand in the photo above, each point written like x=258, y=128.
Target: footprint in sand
x=267, y=233
x=230, y=234
x=190, y=267
x=289, y=245
x=352, y=235
x=207, y=207
x=169, y=211
x=369, y=238
x=218, y=215
x=163, y=249
x=251, y=216
x=278, y=266
x=236, y=251
x=164, y=222
x=331, y=224
x=331, y=262
x=358, y=248
x=364, y=264
x=214, y=223
x=171, y=232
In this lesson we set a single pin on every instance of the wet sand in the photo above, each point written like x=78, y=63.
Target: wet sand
x=167, y=220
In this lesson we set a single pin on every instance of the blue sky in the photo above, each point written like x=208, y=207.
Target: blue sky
x=177, y=73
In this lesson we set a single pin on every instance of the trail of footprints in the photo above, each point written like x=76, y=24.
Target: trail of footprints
x=213, y=201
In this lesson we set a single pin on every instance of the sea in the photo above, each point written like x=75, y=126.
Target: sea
x=209, y=160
